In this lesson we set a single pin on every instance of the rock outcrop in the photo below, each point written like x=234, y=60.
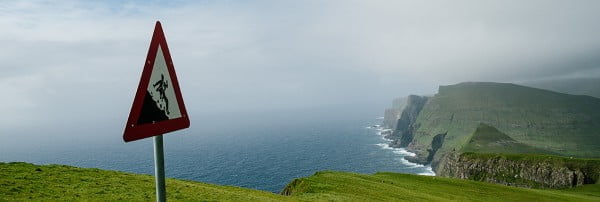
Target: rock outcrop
x=534, y=171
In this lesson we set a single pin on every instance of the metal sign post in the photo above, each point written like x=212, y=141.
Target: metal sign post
x=158, y=105
x=159, y=169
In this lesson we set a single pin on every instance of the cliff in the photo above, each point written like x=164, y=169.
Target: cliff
x=533, y=171
x=561, y=124
x=390, y=118
x=403, y=132
x=391, y=115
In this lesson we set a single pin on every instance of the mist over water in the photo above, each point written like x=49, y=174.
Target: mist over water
x=264, y=153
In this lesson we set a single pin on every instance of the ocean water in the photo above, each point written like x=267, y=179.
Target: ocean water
x=264, y=157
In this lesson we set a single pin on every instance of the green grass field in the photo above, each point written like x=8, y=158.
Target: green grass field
x=342, y=186
x=24, y=181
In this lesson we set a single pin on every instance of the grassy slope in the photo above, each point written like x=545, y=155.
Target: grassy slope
x=487, y=139
x=565, y=124
x=340, y=186
x=57, y=182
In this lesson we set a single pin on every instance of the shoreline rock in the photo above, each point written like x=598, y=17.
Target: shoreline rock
x=532, y=171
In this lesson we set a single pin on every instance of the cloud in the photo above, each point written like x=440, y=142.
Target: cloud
x=76, y=61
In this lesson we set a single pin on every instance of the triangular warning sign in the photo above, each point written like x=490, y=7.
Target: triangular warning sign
x=158, y=106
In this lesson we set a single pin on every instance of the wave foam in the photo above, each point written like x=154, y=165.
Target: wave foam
x=411, y=164
x=384, y=146
x=428, y=172
x=402, y=152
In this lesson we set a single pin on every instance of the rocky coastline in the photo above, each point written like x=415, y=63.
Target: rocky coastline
x=437, y=128
x=531, y=171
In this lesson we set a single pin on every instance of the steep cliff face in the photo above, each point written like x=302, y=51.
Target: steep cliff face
x=561, y=124
x=504, y=131
x=536, y=171
x=403, y=133
x=391, y=116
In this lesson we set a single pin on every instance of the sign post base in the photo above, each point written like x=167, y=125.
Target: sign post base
x=159, y=166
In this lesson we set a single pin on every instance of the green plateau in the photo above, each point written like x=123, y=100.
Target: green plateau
x=24, y=181
x=487, y=139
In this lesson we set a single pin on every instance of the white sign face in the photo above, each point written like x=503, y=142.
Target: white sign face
x=161, y=88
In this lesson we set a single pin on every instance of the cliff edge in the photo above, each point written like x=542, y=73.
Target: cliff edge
x=529, y=170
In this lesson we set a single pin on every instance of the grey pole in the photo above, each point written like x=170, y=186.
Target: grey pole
x=159, y=166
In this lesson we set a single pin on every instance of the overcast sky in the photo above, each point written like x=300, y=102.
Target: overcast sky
x=66, y=64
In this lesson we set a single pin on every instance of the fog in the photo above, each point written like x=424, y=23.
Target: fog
x=70, y=69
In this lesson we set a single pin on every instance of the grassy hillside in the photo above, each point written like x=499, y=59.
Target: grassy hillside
x=23, y=181
x=487, y=139
x=340, y=186
x=564, y=124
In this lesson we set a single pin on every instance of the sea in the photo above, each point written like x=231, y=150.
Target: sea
x=258, y=156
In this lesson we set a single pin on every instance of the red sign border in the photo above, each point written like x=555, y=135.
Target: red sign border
x=133, y=131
